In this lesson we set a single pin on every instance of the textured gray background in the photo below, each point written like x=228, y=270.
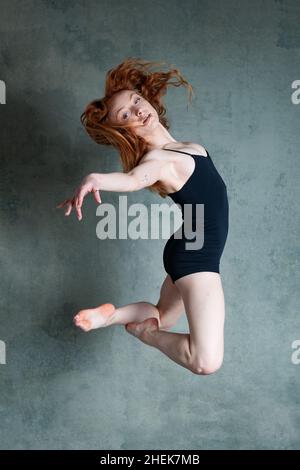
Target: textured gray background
x=64, y=389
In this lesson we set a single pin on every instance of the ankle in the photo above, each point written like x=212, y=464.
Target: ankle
x=115, y=319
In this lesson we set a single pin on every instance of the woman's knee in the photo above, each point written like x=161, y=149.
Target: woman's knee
x=206, y=366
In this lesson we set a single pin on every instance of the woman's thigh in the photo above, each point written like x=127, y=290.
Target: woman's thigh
x=170, y=304
x=203, y=298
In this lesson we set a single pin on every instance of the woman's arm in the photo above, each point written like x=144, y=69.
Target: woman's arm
x=143, y=175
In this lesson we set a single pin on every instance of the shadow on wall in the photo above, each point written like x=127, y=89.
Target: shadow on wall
x=54, y=266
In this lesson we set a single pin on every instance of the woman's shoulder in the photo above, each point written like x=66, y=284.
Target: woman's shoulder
x=188, y=147
x=195, y=146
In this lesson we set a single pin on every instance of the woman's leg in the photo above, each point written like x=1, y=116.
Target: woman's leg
x=168, y=309
x=170, y=304
x=200, y=351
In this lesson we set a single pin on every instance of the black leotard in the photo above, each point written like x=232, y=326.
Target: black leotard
x=204, y=186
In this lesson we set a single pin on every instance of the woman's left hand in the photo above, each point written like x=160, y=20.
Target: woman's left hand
x=89, y=184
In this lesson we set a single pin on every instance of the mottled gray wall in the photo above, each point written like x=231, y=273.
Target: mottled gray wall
x=64, y=389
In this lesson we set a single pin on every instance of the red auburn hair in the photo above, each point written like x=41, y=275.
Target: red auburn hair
x=131, y=74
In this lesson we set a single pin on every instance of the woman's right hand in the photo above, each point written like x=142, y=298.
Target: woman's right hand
x=89, y=184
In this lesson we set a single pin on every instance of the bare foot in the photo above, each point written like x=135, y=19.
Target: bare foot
x=143, y=329
x=93, y=318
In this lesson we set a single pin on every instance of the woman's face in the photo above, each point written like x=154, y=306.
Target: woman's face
x=126, y=107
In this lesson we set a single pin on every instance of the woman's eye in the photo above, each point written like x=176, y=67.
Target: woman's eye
x=125, y=114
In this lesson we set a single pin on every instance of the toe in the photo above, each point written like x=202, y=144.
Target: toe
x=131, y=327
x=77, y=320
x=154, y=323
x=84, y=325
x=82, y=315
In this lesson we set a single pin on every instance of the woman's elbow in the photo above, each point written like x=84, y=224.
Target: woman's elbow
x=136, y=184
x=142, y=183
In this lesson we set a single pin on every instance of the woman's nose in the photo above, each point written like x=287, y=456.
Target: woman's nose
x=141, y=112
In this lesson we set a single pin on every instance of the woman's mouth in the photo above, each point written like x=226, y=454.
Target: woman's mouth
x=147, y=120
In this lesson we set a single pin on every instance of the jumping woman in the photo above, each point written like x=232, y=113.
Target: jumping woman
x=131, y=117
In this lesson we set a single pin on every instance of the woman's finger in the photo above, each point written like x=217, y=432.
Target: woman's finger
x=97, y=196
x=69, y=208
x=79, y=201
x=62, y=203
x=79, y=213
